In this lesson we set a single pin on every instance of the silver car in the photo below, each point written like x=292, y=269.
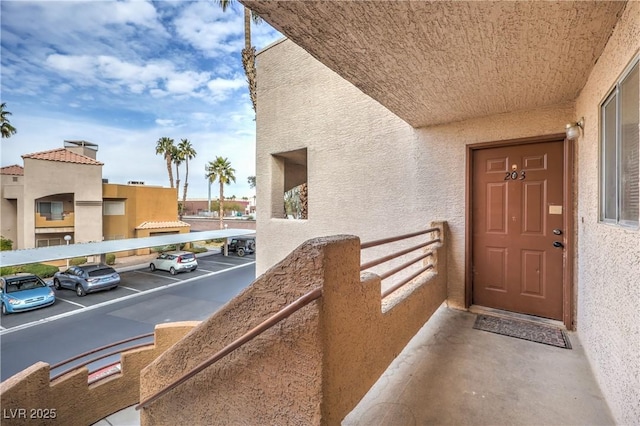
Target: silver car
x=174, y=262
x=87, y=278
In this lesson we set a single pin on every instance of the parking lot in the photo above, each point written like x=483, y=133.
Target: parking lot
x=136, y=281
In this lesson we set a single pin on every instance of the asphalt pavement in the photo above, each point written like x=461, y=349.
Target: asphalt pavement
x=74, y=325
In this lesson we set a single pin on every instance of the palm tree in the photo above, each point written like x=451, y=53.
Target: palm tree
x=165, y=147
x=186, y=153
x=177, y=158
x=249, y=52
x=7, y=129
x=221, y=170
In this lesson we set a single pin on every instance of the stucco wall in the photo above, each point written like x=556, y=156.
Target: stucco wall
x=357, y=150
x=69, y=400
x=43, y=178
x=142, y=203
x=9, y=206
x=608, y=262
x=370, y=174
x=311, y=368
x=261, y=382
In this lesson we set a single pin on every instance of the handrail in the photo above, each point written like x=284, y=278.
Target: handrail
x=406, y=280
x=248, y=336
x=405, y=265
x=98, y=349
x=396, y=254
x=397, y=238
x=98, y=358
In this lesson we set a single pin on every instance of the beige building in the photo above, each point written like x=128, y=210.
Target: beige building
x=457, y=112
x=60, y=193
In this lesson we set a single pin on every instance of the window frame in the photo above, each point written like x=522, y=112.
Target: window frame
x=614, y=98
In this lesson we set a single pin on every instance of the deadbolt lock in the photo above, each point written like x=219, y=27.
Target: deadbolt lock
x=557, y=231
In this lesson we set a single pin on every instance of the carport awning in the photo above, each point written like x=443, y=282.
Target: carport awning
x=43, y=254
x=163, y=225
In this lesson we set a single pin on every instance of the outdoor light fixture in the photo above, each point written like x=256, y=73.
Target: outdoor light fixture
x=67, y=238
x=573, y=129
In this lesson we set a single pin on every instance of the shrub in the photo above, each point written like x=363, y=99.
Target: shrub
x=161, y=249
x=111, y=259
x=5, y=244
x=40, y=269
x=78, y=261
x=196, y=249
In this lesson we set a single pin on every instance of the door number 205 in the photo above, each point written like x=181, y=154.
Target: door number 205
x=514, y=175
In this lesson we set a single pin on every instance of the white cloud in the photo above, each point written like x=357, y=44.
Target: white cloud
x=137, y=78
x=208, y=29
x=220, y=88
x=186, y=82
x=71, y=64
x=165, y=122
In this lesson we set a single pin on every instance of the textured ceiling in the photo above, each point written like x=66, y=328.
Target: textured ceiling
x=443, y=61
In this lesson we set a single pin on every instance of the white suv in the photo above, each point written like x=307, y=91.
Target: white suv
x=174, y=262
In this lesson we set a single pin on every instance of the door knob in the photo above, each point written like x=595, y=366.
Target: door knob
x=557, y=231
x=558, y=244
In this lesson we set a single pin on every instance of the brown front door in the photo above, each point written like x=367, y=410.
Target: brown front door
x=517, y=216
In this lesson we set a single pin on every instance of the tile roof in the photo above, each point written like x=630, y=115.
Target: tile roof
x=158, y=225
x=15, y=170
x=63, y=155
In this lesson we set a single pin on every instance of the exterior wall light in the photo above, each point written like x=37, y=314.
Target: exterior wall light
x=67, y=238
x=573, y=129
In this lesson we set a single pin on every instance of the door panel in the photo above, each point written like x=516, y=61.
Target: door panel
x=517, y=202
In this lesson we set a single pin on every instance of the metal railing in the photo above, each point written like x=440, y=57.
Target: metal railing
x=397, y=254
x=248, y=336
x=101, y=356
x=302, y=302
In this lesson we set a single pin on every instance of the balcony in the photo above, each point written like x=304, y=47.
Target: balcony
x=48, y=223
x=319, y=339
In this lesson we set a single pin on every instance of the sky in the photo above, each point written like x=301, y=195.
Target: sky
x=122, y=74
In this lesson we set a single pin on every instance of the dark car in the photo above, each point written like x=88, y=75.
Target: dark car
x=87, y=278
x=23, y=292
x=242, y=245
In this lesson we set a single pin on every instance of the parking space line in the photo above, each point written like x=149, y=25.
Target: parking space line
x=205, y=270
x=153, y=274
x=129, y=288
x=2, y=328
x=223, y=263
x=69, y=301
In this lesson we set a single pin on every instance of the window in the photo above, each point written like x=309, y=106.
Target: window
x=52, y=210
x=113, y=208
x=619, y=152
x=48, y=242
x=290, y=192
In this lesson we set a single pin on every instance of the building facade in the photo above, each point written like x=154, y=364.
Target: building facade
x=60, y=193
x=425, y=104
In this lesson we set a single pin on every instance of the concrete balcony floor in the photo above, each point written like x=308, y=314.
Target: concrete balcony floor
x=452, y=374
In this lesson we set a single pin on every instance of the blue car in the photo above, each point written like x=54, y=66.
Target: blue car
x=87, y=278
x=23, y=292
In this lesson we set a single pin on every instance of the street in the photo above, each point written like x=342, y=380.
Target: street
x=74, y=324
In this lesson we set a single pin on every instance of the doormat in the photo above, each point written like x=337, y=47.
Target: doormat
x=526, y=330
